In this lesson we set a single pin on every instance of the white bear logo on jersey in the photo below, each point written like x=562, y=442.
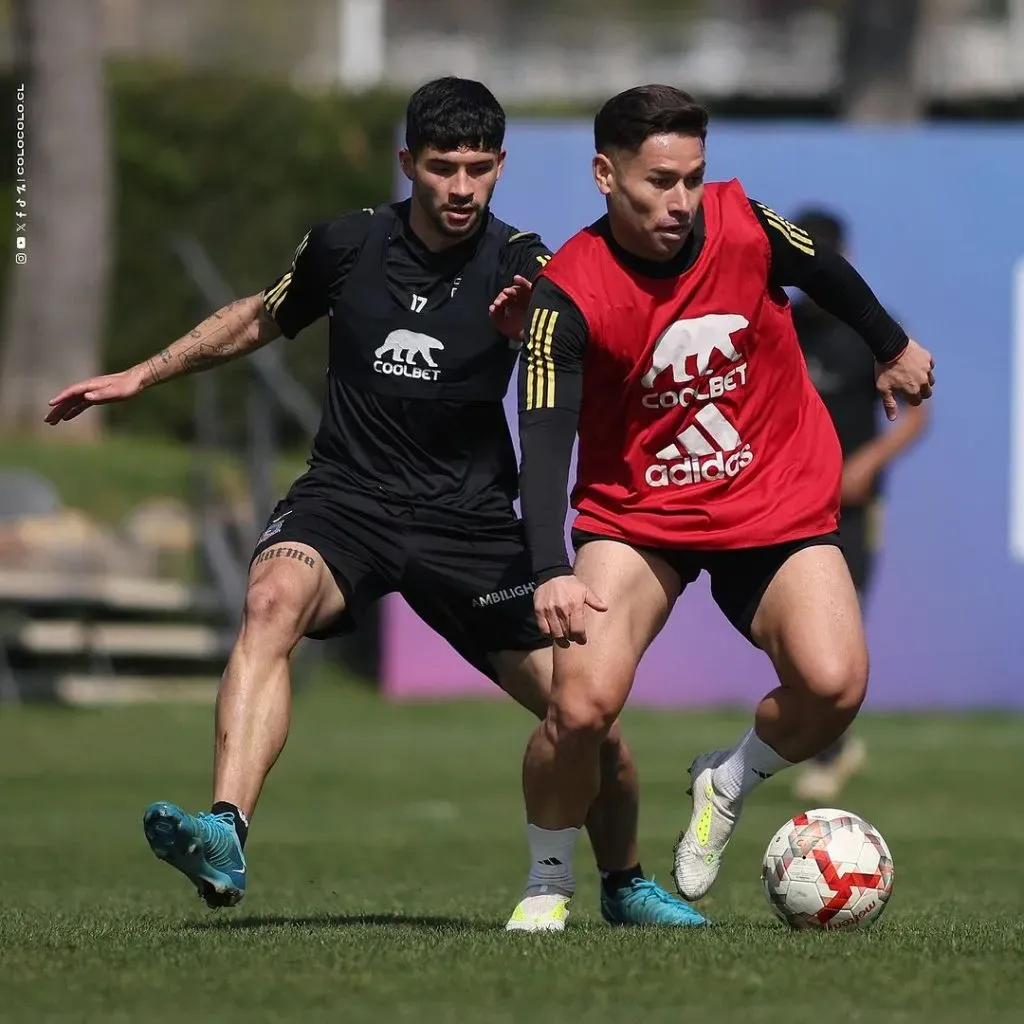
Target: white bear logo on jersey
x=709, y=448
x=699, y=337
x=403, y=347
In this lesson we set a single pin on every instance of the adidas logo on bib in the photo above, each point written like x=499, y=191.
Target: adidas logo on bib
x=709, y=448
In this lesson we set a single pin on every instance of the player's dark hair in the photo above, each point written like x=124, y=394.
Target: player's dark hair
x=827, y=229
x=630, y=118
x=451, y=113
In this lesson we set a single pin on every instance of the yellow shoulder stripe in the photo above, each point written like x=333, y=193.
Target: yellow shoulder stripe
x=540, y=366
x=796, y=236
x=275, y=294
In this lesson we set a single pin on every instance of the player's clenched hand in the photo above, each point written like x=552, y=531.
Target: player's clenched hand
x=911, y=375
x=508, y=310
x=75, y=399
x=561, y=605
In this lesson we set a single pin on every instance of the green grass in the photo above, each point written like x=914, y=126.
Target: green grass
x=388, y=851
x=107, y=479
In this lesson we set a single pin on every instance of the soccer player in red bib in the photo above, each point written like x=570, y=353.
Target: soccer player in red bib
x=662, y=336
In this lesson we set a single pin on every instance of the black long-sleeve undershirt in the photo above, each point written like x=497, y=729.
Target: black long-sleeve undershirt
x=548, y=422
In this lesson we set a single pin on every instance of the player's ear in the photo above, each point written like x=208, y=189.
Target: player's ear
x=501, y=164
x=408, y=163
x=604, y=173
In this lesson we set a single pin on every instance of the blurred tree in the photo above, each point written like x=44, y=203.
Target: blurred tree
x=878, y=56
x=57, y=301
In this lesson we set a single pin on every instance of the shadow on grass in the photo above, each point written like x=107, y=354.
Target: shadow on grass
x=742, y=930
x=329, y=921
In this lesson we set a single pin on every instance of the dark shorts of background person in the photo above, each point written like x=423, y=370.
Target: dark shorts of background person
x=859, y=530
x=739, y=577
x=467, y=577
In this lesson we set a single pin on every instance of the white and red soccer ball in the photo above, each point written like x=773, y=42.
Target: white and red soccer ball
x=827, y=868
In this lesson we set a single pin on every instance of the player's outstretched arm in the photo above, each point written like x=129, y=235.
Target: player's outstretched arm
x=233, y=331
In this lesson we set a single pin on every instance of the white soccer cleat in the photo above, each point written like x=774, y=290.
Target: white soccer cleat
x=544, y=913
x=698, y=852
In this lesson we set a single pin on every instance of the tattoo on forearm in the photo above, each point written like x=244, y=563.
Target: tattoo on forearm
x=200, y=356
x=153, y=374
x=282, y=552
x=216, y=340
x=230, y=307
x=220, y=339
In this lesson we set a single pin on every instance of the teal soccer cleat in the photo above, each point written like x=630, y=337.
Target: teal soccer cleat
x=203, y=847
x=642, y=902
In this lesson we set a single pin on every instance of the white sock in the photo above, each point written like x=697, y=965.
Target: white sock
x=551, y=859
x=747, y=765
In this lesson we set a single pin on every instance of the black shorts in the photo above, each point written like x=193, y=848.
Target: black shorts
x=859, y=536
x=739, y=577
x=468, y=577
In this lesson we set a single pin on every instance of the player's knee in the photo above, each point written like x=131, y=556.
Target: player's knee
x=581, y=716
x=841, y=681
x=273, y=612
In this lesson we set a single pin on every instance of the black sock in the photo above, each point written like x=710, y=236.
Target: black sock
x=240, y=820
x=613, y=881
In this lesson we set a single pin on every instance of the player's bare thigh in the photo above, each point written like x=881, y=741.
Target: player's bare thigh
x=291, y=591
x=526, y=677
x=592, y=680
x=809, y=623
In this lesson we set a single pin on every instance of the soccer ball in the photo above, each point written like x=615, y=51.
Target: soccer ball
x=827, y=869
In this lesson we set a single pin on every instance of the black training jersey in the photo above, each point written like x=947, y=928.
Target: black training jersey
x=417, y=371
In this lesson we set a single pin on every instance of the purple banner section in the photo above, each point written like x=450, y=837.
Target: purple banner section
x=698, y=660
x=946, y=619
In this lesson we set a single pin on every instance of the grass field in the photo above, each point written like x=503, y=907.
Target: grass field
x=388, y=851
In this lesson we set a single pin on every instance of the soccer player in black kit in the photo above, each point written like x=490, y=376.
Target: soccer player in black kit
x=843, y=373
x=410, y=485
